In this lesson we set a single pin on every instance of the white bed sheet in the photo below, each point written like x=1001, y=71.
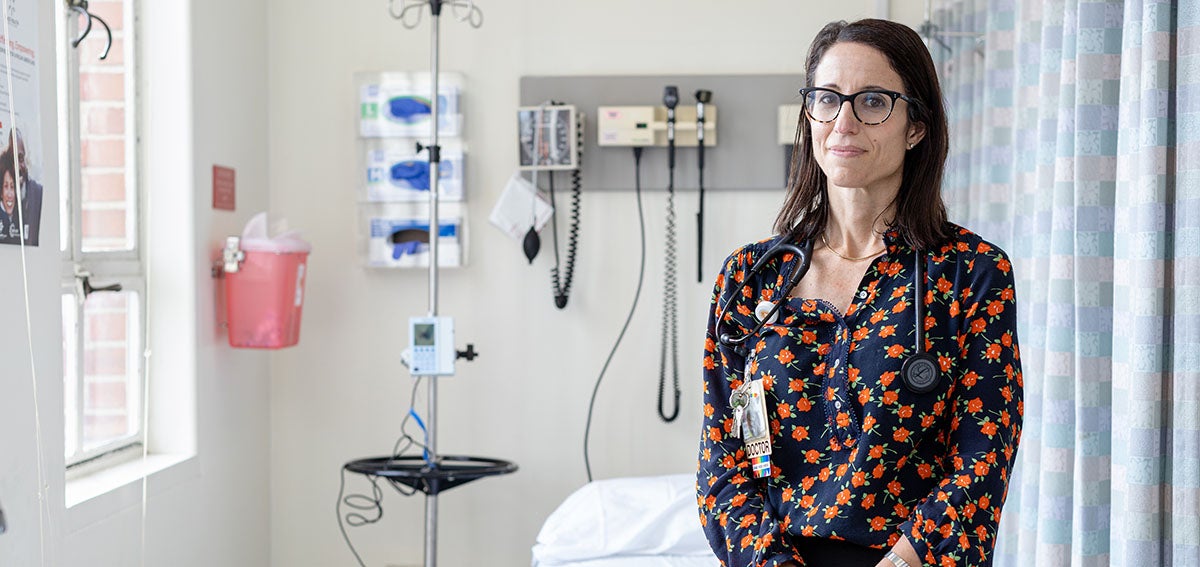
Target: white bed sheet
x=630, y=522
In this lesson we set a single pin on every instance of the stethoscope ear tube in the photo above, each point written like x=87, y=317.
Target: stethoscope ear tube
x=804, y=257
x=920, y=373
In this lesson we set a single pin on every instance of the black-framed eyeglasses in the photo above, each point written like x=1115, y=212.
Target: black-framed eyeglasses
x=870, y=107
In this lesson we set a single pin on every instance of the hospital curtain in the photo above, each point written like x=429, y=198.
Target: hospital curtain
x=1075, y=146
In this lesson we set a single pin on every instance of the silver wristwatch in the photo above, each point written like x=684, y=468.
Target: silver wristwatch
x=895, y=559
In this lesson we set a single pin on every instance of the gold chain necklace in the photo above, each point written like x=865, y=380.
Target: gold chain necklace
x=847, y=258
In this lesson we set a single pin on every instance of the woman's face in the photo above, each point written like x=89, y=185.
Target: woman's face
x=853, y=154
x=8, y=194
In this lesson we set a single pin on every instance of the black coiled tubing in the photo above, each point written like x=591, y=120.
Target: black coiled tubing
x=562, y=282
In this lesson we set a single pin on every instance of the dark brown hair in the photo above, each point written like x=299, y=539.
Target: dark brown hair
x=920, y=212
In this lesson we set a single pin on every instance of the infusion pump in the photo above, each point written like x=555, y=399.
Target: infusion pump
x=431, y=346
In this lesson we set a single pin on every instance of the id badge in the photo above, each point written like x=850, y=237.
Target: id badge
x=757, y=432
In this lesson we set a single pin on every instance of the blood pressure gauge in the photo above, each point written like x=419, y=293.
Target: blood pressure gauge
x=554, y=130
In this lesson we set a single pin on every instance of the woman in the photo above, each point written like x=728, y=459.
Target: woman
x=869, y=464
x=10, y=230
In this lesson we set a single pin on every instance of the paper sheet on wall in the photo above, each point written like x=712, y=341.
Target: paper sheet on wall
x=20, y=203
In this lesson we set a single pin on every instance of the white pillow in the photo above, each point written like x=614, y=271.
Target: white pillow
x=622, y=517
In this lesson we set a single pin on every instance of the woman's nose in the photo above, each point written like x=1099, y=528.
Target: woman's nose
x=846, y=122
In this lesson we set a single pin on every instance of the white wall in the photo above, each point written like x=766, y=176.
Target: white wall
x=211, y=510
x=342, y=393
x=18, y=426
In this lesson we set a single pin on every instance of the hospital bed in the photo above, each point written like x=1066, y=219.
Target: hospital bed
x=626, y=522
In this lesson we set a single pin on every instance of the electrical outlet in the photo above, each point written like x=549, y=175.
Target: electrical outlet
x=647, y=126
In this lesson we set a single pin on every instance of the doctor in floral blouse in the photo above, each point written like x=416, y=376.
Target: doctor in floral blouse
x=867, y=467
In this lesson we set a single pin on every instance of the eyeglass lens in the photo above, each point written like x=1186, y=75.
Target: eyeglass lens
x=869, y=107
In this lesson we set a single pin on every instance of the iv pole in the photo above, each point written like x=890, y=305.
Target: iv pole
x=435, y=158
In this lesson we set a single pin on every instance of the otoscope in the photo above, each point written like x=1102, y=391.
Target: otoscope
x=703, y=97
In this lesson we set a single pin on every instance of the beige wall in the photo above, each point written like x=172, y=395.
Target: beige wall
x=341, y=394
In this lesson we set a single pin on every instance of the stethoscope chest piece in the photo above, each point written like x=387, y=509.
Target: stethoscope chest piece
x=920, y=373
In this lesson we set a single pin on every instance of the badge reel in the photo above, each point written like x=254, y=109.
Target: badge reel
x=749, y=404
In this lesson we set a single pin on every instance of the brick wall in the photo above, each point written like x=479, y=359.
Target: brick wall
x=108, y=208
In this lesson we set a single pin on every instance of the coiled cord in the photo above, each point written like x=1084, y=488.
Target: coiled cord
x=670, y=327
x=562, y=292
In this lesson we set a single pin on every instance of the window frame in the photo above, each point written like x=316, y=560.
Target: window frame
x=127, y=267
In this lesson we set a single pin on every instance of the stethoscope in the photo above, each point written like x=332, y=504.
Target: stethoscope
x=919, y=373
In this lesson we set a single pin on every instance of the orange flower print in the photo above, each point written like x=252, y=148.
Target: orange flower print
x=969, y=379
x=895, y=351
x=901, y=435
x=890, y=397
x=905, y=412
x=808, y=337
x=981, y=468
x=738, y=500
x=978, y=325
x=887, y=331
x=785, y=356
x=1007, y=294
x=747, y=541
x=831, y=512
x=995, y=308
x=943, y=285
x=924, y=470
x=800, y=433
x=878, y=523
x=1003, y=265
x=868, y=501
x=988, y=428
x=975, y=405
x=812, y=455
x=954, y=308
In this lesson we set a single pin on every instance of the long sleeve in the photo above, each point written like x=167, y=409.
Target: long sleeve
x=956, y=524
x=740, y=525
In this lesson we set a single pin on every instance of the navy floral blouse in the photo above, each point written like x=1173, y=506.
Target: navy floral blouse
x=856, y=455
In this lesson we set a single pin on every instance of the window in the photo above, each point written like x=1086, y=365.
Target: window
x=103, y=274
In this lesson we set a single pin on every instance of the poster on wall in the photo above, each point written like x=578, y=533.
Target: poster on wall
x=20, y=127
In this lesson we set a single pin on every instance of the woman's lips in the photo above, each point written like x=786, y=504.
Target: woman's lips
x=846, y=151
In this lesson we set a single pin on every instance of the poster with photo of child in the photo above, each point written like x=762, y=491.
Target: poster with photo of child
x=20, y=129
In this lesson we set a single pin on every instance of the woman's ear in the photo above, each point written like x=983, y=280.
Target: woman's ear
x=916, y=133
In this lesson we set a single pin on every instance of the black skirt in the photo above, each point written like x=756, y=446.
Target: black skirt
x=821, y=552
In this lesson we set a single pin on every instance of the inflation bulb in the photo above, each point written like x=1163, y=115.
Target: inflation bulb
x=532, y=244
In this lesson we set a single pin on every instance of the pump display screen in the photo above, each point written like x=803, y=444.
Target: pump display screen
x=423, y=334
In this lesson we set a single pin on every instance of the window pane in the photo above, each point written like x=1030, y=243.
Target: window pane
x=106, y=101
x=111, y=368
x=70, y=373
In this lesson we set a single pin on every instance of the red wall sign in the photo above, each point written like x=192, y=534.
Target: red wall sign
x=224, y=188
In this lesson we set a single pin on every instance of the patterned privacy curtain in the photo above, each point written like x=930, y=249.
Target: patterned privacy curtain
x=1075, y=146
